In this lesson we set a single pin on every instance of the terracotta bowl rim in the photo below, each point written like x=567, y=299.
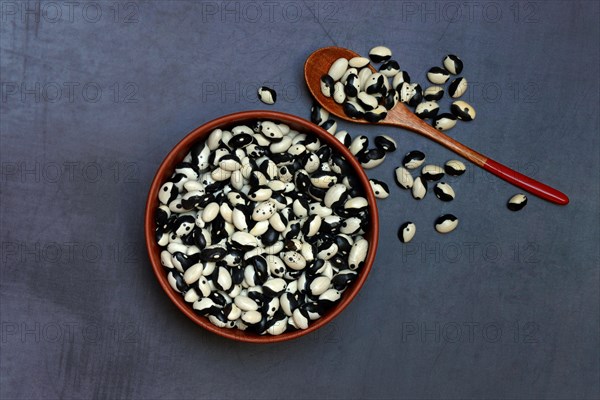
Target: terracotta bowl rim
x=178, y=152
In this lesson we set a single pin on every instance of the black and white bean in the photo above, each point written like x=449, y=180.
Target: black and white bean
x=330, y=126
x=400, y=78
x=267, y=95
x=444, y=191
x=419, y=188
x=444, y=122
x=410, y=93
x=380, y=54
x=403, y=178
x=338, y=68
x=386, y=143
x=352, y=86
x=375, y=84
x=463, y=110
x=413, y=159
x=457, y=87
x=377, y=114
x=438, y=75
x=446, y=223
x=390, y=68
x=318, y=115
x=339, y=93
x=517, y=202
x=427, y=110
x=366, y=101
x=372, y=158
x=353, y=110
x=359, y=145
x=433, y=93
x=407, y=232
x=432, y=172
x=454, y=167
x=380, y=188
x=358, y=62
x=327, y=84
x=453, y=64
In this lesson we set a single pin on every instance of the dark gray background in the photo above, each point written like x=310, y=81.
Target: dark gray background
x=507, y=306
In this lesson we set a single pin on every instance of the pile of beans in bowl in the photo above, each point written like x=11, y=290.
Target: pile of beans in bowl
x=261, y=228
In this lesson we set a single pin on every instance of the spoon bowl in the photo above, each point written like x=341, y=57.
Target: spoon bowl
x=318, y=64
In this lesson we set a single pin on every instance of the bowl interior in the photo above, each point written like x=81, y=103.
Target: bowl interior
x=201, y=133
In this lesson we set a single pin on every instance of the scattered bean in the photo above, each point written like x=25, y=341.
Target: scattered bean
x=390, y=68
x=517, y=202
x=444, y=122
x=407, y=232
x=433, y=93
x=455, y=168
x=403, y=178
x=463, y=110
x=427, y=110
x=432, y=172
x=453, y=64
x=446, y=223
x=438, y=76
x=457, y=88
x=372, y=158
x=380, y=188
x=444, y=191
x=410, y=93
x=400, y=78
x=386, y=143
x=413, y=159
x=267, y=95
x=380, y=54
x=419, y=188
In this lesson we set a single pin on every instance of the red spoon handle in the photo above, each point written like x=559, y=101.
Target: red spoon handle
x=401, y=116
x=525, y=182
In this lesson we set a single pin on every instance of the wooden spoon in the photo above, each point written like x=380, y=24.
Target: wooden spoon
x=318, y=65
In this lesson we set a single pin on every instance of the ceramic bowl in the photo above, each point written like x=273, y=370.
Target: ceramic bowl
x=178, y=153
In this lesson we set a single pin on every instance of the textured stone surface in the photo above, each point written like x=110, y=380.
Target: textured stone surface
x=506, y=306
